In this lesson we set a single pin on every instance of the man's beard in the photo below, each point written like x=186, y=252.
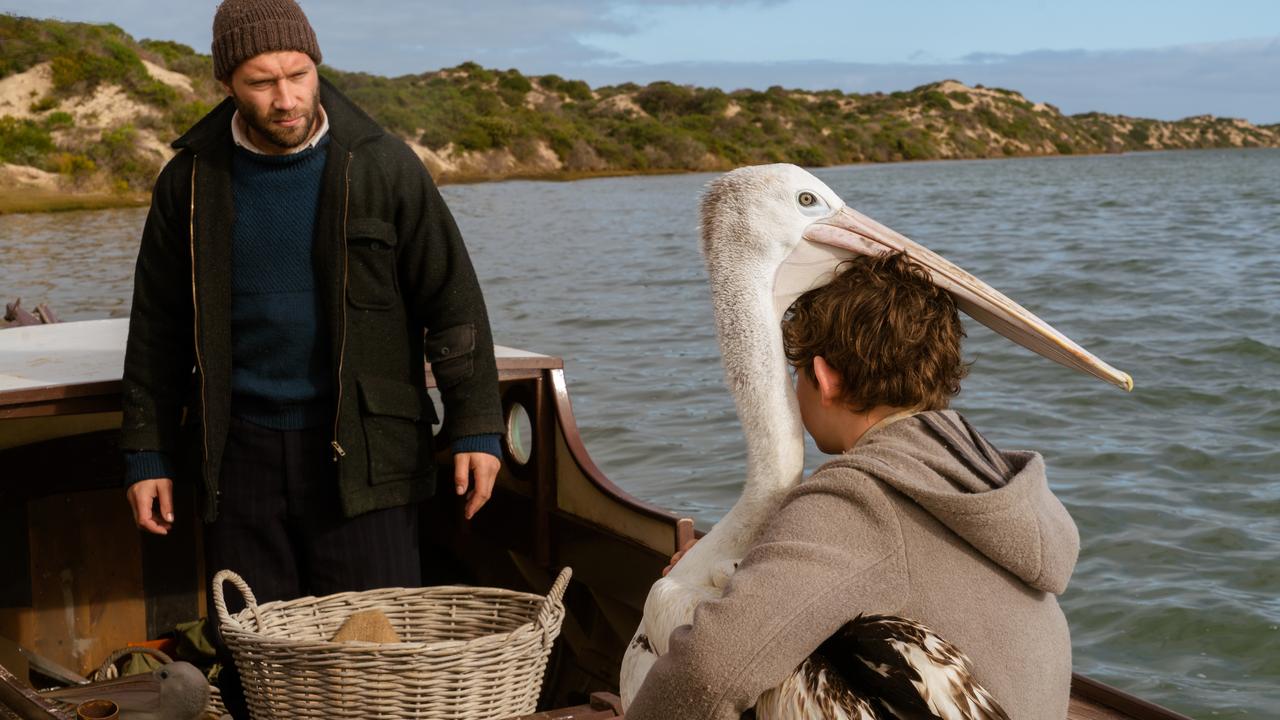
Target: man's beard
x=281, y=137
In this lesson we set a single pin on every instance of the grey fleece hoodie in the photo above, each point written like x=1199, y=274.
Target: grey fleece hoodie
x=924, y=520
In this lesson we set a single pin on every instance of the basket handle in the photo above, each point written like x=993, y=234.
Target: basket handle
x=220, y=602
x=554, y=598
x=107, y=670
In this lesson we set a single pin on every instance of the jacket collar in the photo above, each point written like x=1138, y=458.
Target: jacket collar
x=348, y=124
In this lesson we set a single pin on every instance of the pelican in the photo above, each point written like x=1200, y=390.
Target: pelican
x=769, y=234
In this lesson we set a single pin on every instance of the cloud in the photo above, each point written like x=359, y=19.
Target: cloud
x=1231, y=79
x=395, y=37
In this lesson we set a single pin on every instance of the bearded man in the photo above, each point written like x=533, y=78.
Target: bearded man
x=296, y=266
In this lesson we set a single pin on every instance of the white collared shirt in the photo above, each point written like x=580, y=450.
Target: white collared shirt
x=240, y=134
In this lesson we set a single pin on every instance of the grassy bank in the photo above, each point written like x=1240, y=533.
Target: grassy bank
x=471, y=124
x=30, y=201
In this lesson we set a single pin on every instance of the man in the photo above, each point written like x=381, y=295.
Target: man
x=293, y=257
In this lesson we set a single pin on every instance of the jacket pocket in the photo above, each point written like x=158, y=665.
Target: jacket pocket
x=371, y=264
x=450, y=351
x=397, y=419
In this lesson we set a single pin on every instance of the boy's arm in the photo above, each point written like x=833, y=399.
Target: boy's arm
x=832, y=551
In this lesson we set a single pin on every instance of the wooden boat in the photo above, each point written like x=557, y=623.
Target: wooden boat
x=78, y=581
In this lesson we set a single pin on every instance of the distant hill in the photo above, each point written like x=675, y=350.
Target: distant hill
x=88, y=109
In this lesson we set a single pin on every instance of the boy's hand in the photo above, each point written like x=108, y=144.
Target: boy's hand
x=143, y=496
x=679, y=554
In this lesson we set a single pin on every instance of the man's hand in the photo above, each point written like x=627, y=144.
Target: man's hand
x=676, y=558
x=484, y=468
x=142, y=498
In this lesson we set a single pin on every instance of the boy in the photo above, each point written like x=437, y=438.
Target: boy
x=920, y=517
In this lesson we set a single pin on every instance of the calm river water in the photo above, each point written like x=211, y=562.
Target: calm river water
x=1167, y=265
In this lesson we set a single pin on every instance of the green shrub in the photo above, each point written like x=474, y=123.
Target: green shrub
x=664, y=98
x=435, y=137
x=184, y=115
x=117, y=150
x=501, y=131
x=936, y=100
x=473, y=137
x=75, y=165
x=110, y=61
x=513, y=80
x=576, y=90
x=169, y=51
x=47, y=102
x=58, y=120
x=24, y=142
x=156, y=92
x=477, y=73
x=810, y=156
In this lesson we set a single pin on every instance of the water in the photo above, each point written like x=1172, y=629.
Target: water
x=1167, y=265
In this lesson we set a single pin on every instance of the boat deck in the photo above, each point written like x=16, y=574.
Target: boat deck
x=74, y=598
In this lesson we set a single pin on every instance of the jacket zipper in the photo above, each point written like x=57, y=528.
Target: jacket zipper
x=195, y=328
x=338, y=452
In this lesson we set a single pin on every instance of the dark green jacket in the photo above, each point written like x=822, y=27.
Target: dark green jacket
x=390, y=264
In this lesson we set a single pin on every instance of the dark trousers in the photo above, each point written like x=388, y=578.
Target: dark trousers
x=280, y=526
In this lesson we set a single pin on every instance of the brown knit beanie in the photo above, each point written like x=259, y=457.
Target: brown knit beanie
x=245, y=28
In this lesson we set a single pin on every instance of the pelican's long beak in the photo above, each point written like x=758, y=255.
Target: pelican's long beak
x=849, y=232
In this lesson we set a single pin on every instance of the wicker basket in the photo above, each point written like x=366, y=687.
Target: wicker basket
x=108, y=671
x=471, y=653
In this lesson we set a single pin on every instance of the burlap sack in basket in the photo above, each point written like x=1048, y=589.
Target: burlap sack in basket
x=470, y=653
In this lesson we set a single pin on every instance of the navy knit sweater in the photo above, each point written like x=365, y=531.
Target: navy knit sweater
x=280, y=370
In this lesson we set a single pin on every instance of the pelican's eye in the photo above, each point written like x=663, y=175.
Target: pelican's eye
x=811, y=204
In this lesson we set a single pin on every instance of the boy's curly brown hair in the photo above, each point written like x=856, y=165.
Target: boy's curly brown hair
x=892, y=335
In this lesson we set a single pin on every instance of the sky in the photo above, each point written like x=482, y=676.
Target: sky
x=1166, y=59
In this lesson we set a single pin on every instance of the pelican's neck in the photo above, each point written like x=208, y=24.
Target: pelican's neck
x=756, y=370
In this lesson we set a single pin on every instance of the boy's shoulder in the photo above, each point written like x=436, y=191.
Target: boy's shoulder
x=841, y=480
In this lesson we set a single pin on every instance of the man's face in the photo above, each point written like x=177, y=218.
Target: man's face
x=278, y=95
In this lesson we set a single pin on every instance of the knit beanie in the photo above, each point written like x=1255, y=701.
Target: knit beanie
x=245, y=28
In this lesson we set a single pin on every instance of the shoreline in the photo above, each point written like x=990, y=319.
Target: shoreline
x=15, y=201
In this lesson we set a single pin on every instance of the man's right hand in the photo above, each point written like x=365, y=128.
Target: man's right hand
x=142, y=499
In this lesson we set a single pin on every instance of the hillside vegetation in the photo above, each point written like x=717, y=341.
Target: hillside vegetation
x=86, y=108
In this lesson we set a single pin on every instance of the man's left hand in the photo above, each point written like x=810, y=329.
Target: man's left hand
x=483, y=467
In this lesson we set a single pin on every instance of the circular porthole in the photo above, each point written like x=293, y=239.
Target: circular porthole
x=519, y=437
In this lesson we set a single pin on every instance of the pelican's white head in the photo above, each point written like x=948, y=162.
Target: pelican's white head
x=782, y=230
x=760, y=213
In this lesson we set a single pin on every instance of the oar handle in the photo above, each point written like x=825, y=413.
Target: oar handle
x=684, y=533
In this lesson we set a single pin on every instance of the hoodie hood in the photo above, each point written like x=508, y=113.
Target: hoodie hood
x=998, y=502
